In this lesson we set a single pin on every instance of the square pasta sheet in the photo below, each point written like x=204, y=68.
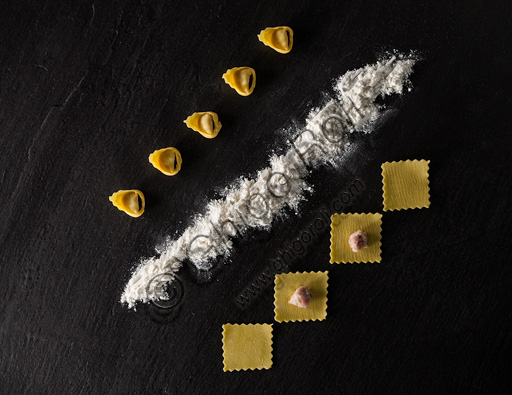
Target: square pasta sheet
x=247, y=347
x=343, y=225
x=285, y=286
x=405, y=184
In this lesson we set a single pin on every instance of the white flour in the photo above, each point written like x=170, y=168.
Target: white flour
x=254, y=203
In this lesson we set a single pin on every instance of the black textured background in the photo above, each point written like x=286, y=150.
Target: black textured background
x=89, y=90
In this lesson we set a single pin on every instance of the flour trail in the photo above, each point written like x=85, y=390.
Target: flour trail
x=256, y=202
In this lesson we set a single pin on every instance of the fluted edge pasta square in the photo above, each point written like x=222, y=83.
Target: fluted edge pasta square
x=285, y=286
x=343, y=225
x=405, y=185
x=246, y=346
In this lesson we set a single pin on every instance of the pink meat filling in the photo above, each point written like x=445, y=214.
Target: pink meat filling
x=358, y=240
x=301, y=297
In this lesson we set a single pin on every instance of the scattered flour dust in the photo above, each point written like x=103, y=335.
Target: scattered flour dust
x=255, y=202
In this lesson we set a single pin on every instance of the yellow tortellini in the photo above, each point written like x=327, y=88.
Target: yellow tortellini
x=131, y=201
x=241, y=79
x=167, y=160
x=279, y=38
x=206, y=123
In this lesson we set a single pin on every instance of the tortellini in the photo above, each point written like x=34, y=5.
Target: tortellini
x=131, y=201
x=241, y=79
x=206, y=123
x=279, y=38
x=167, y=160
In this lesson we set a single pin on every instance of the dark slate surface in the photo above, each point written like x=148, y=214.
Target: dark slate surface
x=89, y=90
